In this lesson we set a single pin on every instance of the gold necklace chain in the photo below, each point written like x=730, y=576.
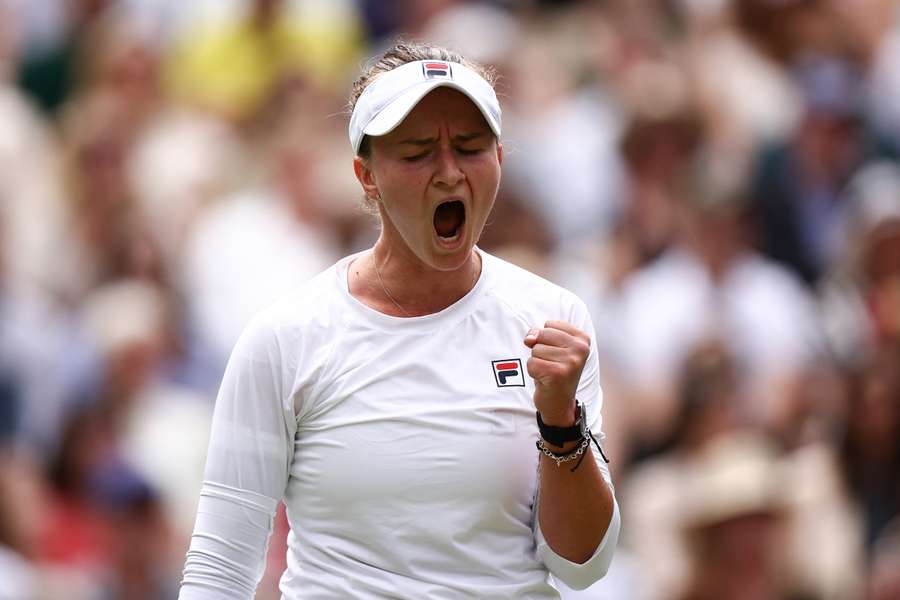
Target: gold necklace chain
x=405, y=312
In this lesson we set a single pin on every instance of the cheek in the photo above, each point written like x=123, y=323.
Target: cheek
x=403, y=203
x=488, y=182
x=399, y=191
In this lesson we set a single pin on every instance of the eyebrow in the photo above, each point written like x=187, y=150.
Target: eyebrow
x=462, y=137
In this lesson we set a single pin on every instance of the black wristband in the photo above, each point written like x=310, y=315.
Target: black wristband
x=558, y=436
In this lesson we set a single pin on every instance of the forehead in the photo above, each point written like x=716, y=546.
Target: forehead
x=442, y=107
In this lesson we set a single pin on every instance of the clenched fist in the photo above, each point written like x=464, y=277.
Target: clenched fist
x=558, y=354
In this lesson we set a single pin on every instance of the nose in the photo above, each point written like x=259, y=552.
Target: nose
x=449, y=173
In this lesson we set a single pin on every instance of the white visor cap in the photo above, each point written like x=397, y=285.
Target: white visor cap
x=392, y=95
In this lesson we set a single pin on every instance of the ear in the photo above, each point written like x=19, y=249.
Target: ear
x=499, y=153
x=362, y=167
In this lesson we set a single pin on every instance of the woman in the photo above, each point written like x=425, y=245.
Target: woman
x=386, y=402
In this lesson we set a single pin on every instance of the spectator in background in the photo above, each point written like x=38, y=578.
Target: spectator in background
x=77, y=536
x=819, y=547
x=234, y=68
x=656, y=150
x=119, y=58
x=798, y=186
x=131, y=454
x=25, y=573
x=861, y=294
x=31, y=205
x=167, y=159
x=712, y=285
x=41, y=363
x=551, y=107
x=33, y=334
x=825, y=546
x=746, y=96
x=870, y=449
x=656, y=146
x=260, y=242
x=104, y=521
x=140, y=542
x=155, y=425
x=184, y=160
x=707, y=399
x=733, y=519
x=106, y=237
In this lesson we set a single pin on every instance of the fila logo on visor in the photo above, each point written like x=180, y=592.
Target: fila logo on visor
x=508, y=372
x=434, y=70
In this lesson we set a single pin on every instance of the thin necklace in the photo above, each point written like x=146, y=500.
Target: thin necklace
x=386, y=292
x=405, y=312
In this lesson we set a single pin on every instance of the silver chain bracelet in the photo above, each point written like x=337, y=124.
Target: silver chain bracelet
x=561, y=458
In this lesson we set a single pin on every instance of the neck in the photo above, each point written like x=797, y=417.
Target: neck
x=403, y=286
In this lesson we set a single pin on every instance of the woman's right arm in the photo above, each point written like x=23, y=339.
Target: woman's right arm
x=247, y=467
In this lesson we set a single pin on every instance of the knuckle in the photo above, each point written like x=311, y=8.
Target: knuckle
x=583, y=347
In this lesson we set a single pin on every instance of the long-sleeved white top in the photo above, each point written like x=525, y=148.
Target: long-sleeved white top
x=403, y=448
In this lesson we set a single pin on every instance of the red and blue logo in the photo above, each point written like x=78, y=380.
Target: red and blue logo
x=434, y=70
x=508, y=372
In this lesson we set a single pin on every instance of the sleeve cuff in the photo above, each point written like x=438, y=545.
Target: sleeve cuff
x=581, y=576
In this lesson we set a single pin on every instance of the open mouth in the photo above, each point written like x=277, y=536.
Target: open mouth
x=448, y=219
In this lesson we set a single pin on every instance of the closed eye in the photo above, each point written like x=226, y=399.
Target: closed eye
x=415, y=157
x=462, y=151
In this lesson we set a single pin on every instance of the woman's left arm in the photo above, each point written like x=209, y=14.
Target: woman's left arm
x=577, y=515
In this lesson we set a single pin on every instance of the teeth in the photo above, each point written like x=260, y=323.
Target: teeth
x=450, y=239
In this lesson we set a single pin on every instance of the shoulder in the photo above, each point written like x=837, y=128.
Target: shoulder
x=306, y=313
x=526, y=292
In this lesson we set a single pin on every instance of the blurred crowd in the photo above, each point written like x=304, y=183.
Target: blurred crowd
x=717, y=179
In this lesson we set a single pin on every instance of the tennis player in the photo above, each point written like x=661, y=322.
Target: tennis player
x=429, y=414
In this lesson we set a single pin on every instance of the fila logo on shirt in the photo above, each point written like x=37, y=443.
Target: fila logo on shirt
x=434, y=70
x=508, y=372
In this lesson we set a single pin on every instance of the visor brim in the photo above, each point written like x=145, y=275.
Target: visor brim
x=394, y=113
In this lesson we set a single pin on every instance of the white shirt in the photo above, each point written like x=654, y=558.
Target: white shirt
x=405, y=458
